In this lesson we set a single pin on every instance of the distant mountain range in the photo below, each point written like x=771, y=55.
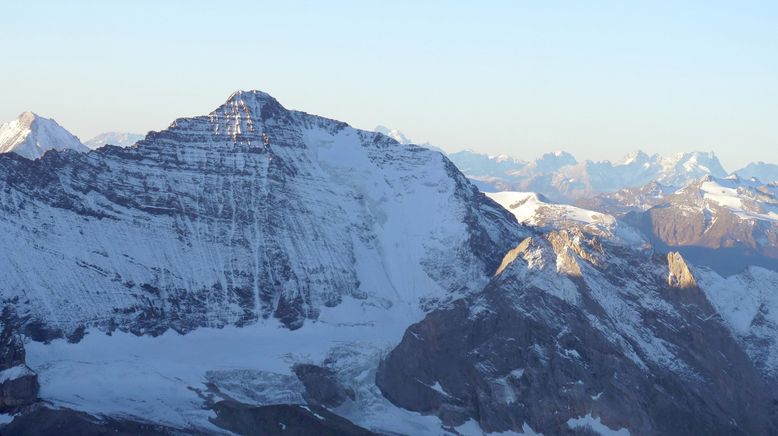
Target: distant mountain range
x=557, y=175
x=121, y=139
x=561, y=177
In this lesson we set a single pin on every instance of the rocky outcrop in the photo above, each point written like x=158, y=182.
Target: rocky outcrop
x=18, y=383
x=292, y=420
x=679, y=276
x=725, y=224
x=44, y=421
x=322, y=387
x=544, y=350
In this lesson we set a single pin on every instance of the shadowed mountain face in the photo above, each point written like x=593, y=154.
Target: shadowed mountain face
x=577, y=327
x=727, y=224
x=250, y=212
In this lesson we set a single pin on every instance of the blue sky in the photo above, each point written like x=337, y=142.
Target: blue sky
x=596, y=78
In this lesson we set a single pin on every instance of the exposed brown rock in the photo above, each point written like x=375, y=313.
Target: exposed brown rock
x=680, y=276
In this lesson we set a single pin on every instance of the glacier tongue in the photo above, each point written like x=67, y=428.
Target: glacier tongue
x=166, y=379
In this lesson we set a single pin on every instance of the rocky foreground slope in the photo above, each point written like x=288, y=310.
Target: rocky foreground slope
x=582, y=327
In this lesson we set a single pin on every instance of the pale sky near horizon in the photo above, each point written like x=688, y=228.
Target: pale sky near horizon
x=595, y=78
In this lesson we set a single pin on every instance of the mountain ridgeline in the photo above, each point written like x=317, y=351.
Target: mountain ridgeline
x=250, y=212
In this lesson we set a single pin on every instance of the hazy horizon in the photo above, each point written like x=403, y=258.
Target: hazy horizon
x=598, y=81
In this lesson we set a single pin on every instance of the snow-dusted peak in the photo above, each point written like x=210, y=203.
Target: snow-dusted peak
x=250, y=96
x=552, y=161
x=249, y=104
x=748, y=199
x=31, y=135
x=766, y=172
x=394, y=134
x=685, y=167
x=121, y=139
x=244, y=118
x=26, y=118
x=535, y=210
x=638, y=157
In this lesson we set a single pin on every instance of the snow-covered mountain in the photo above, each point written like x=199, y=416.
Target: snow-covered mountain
x=535, y=350
x=725, y=223
x=31, y=135
x=536, y=211
x=394, y=134
x=236, y=227
x=628, y=200
x=269, y=213
x=259, y=267
x=489, y=173
x=122, y=139
x=765, y=172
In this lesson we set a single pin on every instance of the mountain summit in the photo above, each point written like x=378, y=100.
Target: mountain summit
x=31, y=135
x=275, y=213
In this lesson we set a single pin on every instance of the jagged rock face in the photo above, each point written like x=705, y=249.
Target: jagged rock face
x=18, y=384
x=283, y=420
x=748, y=305
x=250, y=212
x=321, y=385
x=680, y=276
x=11, y=348
x=627, y=200
x=610, y=340
x=43, y=421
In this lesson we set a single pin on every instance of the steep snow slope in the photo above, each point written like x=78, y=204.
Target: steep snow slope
x=122, y=139
x=748, y=303
x=31, y=135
